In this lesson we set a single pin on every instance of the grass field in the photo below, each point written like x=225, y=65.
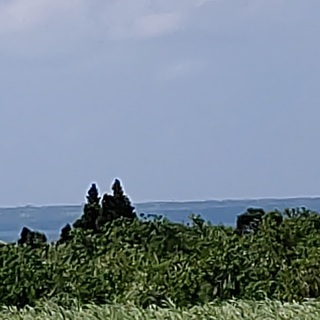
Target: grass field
x=236, y=310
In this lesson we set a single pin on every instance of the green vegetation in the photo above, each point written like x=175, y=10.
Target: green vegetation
x=112, y=257
x=232, y=310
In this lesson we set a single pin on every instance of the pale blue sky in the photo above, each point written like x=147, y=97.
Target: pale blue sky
x=180, y=99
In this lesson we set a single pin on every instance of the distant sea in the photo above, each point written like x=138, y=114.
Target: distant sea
x=50, y=219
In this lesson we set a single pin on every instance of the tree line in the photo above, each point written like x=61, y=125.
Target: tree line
x=110, y=255
x=98, y=211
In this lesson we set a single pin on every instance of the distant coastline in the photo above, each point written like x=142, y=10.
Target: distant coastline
x=50, y=218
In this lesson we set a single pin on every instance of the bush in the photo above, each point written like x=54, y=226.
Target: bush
x=110, y=256
x=152, y=261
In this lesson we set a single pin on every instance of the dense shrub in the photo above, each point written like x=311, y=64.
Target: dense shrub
x=110, y=256
x=31, y=238
x=151, y=261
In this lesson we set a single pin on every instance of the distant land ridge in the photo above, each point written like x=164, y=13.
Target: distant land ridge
x=50, y=219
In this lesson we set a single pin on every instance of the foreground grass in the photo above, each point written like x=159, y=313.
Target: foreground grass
x=236, y=310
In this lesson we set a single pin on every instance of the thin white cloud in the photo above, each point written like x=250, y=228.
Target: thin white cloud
x=42, y=27
x=49, y=27
x=23, y=16
x=137, y=18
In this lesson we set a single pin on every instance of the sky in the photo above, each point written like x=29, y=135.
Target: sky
x=179, y=99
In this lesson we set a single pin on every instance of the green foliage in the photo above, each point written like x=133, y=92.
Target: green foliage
x=65, y=235
x=91, y=211
x=148, y=262
x=32, y=239
x=231, y=310
x=112, y=257
x=96, y=216
x=115, y=206
x=250, y=220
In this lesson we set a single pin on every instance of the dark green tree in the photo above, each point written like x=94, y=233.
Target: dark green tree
x=122, y=203
x=250, y=220
x=38, y=239
x=115, y=206
x=65, y=235
x=108, y=211
x=91, y=211
x=24, y=235
x=30, y=238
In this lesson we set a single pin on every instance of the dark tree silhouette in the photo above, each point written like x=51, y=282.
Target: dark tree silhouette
x=249, y=221
x=24, y=235
x=65, y=235
x=122, y=202
x=112, y=207
x=115, y=206
x=31, y=238
x=91, y=211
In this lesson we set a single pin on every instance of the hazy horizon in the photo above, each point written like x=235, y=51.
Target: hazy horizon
x=182, y=100
x=165, y=201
